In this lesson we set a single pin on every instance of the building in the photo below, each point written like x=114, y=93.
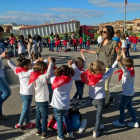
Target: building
x=7, y=28
x=11, y=24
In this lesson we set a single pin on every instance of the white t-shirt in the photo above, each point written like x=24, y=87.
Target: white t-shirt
x=124, y=44
x=98, y=91
x=99, y=39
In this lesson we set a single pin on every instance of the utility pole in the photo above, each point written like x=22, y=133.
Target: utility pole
x=125, y=2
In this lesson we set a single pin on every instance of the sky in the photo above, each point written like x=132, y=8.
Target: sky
x=88, y=12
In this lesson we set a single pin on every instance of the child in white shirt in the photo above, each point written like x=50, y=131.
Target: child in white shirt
x=127, y=75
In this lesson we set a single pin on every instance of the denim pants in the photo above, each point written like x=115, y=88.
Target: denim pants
x=13, y=47
x=49, y=46
x=27, y=100
x=52, y=45
x=127, y=50
x=60, y=46
x=80, y=46
x=99, y=104
x=62, y=116
x=134, y=47
x=50, y=91
x=127, y=101
x=56, y=48
x=84, y=44
x=75, y=48
x=5, y=92
x=42, y=113
x=80, y=88
x=88, y=47
x=65, y=48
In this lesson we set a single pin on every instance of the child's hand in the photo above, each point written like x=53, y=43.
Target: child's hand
x=70, y=62
x=49, y=59
x=119, y=57
x=3, y=54
x=40, y=59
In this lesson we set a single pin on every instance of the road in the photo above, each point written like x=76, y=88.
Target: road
x=13, y=105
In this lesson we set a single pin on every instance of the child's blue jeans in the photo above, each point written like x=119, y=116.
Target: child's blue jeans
x=42, y=113
x=56, y=48
x=126, y=101
x=134, y=47
x=50, y=91
x=62, y=116
x=80, y=89
x=75, y=48
x=84, y=44
x=27, y=100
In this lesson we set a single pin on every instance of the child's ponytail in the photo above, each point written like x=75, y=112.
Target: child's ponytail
x=90, y=68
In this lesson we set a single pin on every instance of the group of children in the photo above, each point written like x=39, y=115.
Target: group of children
x=47, y=80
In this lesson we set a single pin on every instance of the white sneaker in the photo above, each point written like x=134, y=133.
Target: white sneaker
x=70, y=135
x=117, y=123
x=59, y=138
x=131, y=124
x=79, y=102
x=74, y=100
x=101, y=126
x=95, y=135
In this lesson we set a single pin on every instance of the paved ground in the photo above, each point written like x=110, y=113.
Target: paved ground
x=13, y=106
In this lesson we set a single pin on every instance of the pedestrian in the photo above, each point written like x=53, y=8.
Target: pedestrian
x=52, y=42
x=95, y=77
x=80, y=42
x=128, y=45
x=75, y=42
x=84, y=41
x=65, y=44
x=23, y=70
x=56, y=44
x=99, y=39
x=127, y=74
x=123, y=40
x=5, y=90
x=39, y=79
x=130, y=40
x=88, y=44
x=34, y=49
x=106, y=53
x=135, y=40
x=62, y=84
x=39, y=46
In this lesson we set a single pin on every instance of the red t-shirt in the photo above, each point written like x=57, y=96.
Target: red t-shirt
x=13, y=40
x=65, y=42
x=74, y=42
x=80, y=40
x=49, y=40
x=130, y=39
x=135, y=40
x=56, y=43
x=87, y=42
x=59, y=41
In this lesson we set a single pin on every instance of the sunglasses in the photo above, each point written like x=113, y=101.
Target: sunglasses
x=104, y=32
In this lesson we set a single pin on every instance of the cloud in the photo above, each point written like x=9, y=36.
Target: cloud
x=131, y=7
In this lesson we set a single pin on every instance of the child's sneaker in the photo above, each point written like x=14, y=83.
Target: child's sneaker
x=79, y=102
x=46, y=135
x=74, y=100
x=38, y=133
x=60, y=138
x=117, y=123
x=70, y=135
x=30, y=125
x=95, y=135
x=101, y=126
x=18, y=126
x=131, y=124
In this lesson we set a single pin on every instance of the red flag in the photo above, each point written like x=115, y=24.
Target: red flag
x=126, y=2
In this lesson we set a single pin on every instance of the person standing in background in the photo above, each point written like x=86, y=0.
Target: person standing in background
x=134, y=40
x=127, y=45
x=84, y=40
x=99, y=39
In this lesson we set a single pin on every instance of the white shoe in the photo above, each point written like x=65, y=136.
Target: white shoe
x=74, y=100
x=59, y=138
x=95, y=135
x=117, y=123
x=131, y=124
x=101, y=126
x=79, y=102
x=70, y=135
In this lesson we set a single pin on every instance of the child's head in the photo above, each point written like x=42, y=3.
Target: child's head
x=128, y=62
x=79, y=62
x=123, y=37
x=23, y=62
x=98, y=67
x=1, y=32
x=12, y=35
x=64, y=70
x=40, y=66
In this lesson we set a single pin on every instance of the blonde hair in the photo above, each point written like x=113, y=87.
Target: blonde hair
x=96, y=66
x=40, y=66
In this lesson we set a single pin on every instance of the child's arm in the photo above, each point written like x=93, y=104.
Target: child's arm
x=89, y=51
x=82, y=53
x=11, y=64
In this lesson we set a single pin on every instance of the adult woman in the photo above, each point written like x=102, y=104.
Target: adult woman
x=13, y=44
x=107, y=54
x=29, y=45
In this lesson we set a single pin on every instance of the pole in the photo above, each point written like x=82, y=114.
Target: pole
x=124, y=15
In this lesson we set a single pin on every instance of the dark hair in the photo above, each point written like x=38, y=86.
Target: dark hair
x=23, y=62
x=110, y=30
x=1, y=29
x=128, y=62
x=80, y=60
x=118, y=33
x=51, y=34
x=127, y=35
x=64, y=70
x=29, y=36
x=123, y=37
x=53, y=59
x=38, y=38
x=12, y=35
x=40, y=66
x=21, y=37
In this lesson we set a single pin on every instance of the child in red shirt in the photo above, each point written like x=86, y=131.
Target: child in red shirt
x=75, y=44
x=65, y=44
x=80, y=42
x=88, y=47
x=49, y=44
x=60, y=45
x=135, y=40
x=56, y=44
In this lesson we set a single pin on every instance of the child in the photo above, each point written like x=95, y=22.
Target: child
x=49, y=42
x=60, y=45
x=123, y=40
x=34, y=49
x=65, y=45
x=127, y=75
x=21, y=46
x=95, y=77
x=128, y=45
x=135, y=40
x=75, y=44
x=80, y=42
x=39, y=79
x=61, y=85
x=56, y=44
x=81, y=65
x=88, y=43
x=26, y=91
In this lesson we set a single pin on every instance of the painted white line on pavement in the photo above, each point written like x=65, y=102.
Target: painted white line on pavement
x=15, y=86
x=26, y=135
